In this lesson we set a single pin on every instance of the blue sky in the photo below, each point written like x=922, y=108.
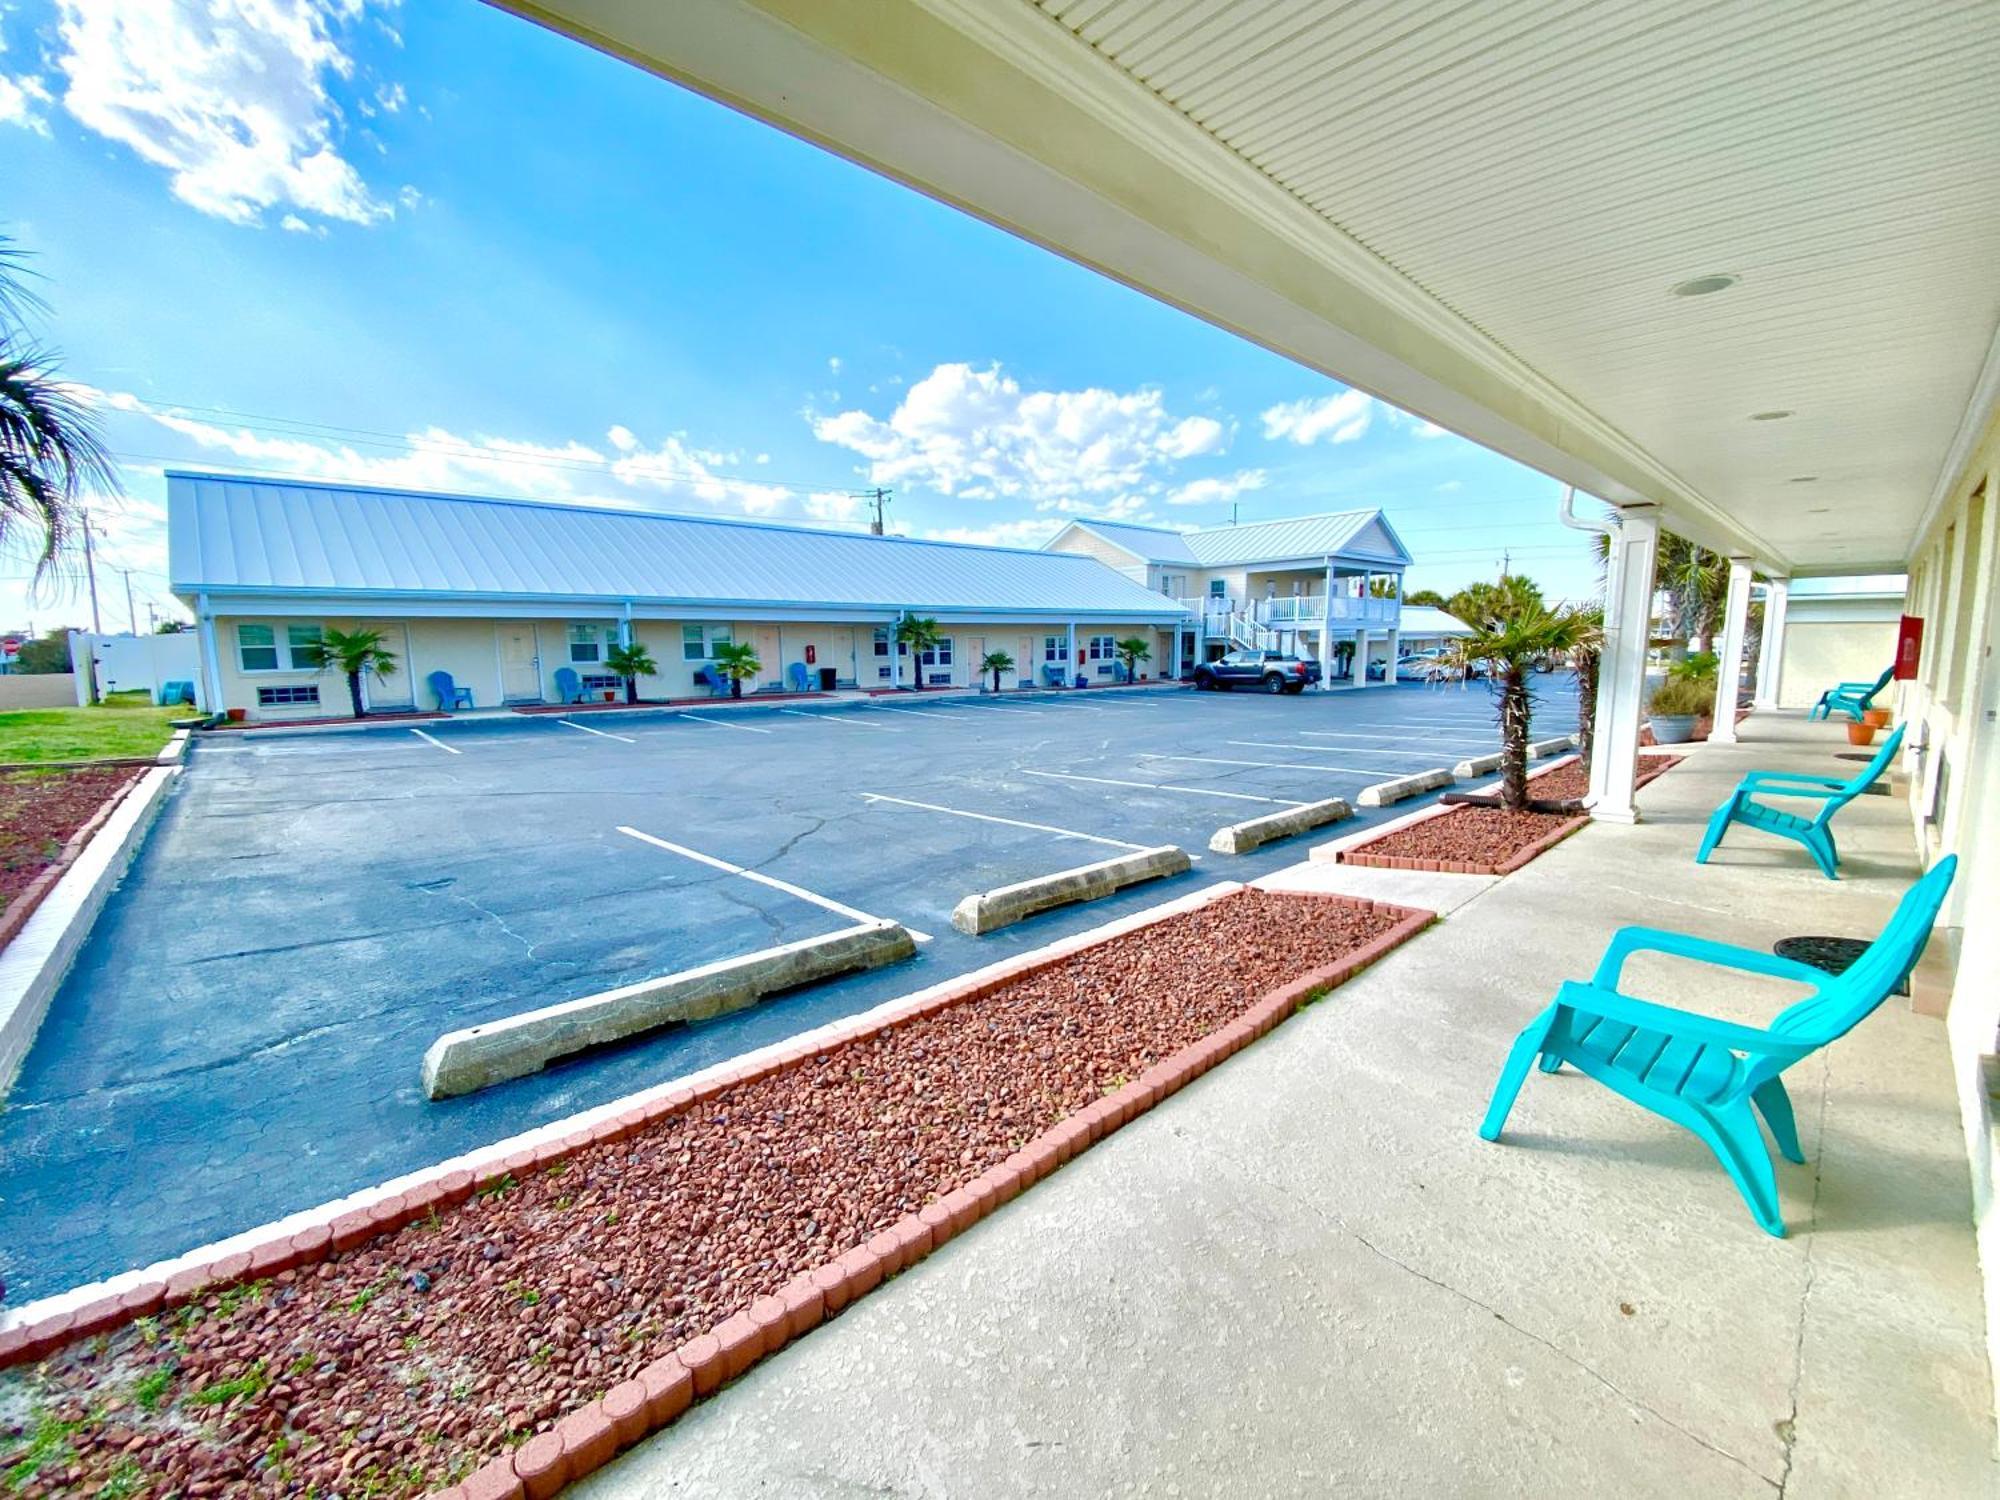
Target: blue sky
x=437, y=246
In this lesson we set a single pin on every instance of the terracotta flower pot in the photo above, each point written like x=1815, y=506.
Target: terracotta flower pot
x=1877, y=717
x=1861, y=734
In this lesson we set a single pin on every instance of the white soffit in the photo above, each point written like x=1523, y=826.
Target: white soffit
x=1476, y=211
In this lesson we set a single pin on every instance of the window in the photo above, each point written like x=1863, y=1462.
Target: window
x=257, y=645
x=1055, y=648
x=698, y=642
x=1103, y=648
x=282, y=697
x=938, y=655
x=258, y=650
x=590, y=639
x=1218, y=588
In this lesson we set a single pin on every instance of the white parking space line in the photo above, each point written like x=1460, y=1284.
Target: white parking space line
x=840, y=719
x=1274, y=765
x=924, y=713
x=433, y=740
x=600, y=733
x=997, y=708
x=1337, y=749
x=1403, y=739
x=724, y=724
x=1162, y=786
x=851, y=913
x=958, y=812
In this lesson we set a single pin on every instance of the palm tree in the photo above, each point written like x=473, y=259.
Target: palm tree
x=737, y=660
x=1380, y=587
x=631, y=661
x=1586, y=654
x=1132, y=650
x=919, y=635
x=49, y=455
x=353, y=653
x=1425, y=596
x=1513, y=632
x=996, y=662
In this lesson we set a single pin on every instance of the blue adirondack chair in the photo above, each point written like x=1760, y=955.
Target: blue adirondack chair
x=1816, y=833
x=1851, y=698
x=1053, y=676
x=1714, y=1077
x=797, y=673
x=569, y=686
x=180, y=691
x=449, y=694
x=713, y=680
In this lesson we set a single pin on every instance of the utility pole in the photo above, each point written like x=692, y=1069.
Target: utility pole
x=90, y=571
x=131, y=614
x=152, y=618
x=881, y=498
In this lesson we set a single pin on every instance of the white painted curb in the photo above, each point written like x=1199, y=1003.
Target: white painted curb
x=1241, y=838
x=33, y=965
x=985, y=911
x=1382, y=793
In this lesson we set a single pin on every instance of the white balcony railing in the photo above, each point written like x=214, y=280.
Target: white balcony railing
x=1341, y=611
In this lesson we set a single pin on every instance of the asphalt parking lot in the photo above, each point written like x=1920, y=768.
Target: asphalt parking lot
x=240, y=1037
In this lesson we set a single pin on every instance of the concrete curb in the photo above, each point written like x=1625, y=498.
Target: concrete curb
x=1241, y=838
x=987, y=911
x=476, y=1057
x=33, y=963
x=1555, y=746
x=588, y=1437
x=1474, y=767
x=1382, y=793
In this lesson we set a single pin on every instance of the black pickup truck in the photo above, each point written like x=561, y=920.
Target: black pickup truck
x=1273, y=671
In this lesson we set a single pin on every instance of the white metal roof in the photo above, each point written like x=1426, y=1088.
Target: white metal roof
x=1428, y=620
x=1352, y=535
x=228, y=534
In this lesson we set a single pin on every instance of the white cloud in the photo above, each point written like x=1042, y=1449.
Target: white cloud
x=293, y=224
x=671, y=474
x=1427, y=430
x=228, y=96
x=1028, y=533
x=833, y=363
x=1450, y=486
x=20, y=97
x=1217, y=490
x=1339, y=418
x=977, y=434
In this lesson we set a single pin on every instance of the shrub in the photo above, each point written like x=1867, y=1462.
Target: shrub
x=1696, y=666
x=1683, y=697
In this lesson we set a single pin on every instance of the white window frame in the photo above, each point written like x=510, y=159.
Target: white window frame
x=938, y=655
x=704, y=639
x=1055, y=648
x=284, y=650
x=1103, y=648
x=596, y=636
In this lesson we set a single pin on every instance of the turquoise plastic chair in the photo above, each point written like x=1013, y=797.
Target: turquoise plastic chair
x=1815, y=833
x=1851, y=698
x=449, y=694
x=1715, y=1077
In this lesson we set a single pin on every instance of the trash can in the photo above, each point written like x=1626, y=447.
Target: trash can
x=827, y=678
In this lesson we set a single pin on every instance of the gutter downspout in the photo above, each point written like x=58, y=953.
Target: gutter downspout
x=211, y=663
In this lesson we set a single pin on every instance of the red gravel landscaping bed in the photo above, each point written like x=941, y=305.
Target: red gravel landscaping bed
x=651, y=1259
x=42, y=811
x=1490, y=840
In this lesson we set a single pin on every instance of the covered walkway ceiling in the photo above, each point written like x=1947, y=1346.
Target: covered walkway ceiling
x=1480, y=212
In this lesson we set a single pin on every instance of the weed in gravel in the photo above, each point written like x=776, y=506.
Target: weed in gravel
x=499, y=1189
x=249, y=1383
x=152, y=1386
x=126, y=1478
x=48, y=1448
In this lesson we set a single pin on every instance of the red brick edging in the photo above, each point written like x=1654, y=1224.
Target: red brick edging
x=23, y=906
x=590, y=1436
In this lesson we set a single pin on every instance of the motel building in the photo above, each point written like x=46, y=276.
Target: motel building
x=504, y=594
x=1326, y=587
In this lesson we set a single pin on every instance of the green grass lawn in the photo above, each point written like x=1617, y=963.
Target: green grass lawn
x=85, y=733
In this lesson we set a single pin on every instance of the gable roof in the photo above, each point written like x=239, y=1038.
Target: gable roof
x=1358, y=535
x=235, y=534
x=1428, y=620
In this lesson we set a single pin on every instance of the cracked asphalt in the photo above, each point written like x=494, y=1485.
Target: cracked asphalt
x=240, y=1037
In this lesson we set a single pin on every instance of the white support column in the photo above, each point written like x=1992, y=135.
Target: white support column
x=1326, y=631
x=1070, y=669
x=1393, y=648
x=211, y=662
x=1771, y=649
x=1729, y=671
x=895, y=652
x=1621, y=672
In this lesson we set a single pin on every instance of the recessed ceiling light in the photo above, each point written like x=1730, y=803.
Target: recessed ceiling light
x=1805, y=479
x=1819, y=510
x=1769, y=416
x=1702, y=286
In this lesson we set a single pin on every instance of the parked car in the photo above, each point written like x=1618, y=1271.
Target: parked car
x=1273, y=671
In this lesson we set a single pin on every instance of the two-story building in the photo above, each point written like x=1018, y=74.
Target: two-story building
x=1326, y=586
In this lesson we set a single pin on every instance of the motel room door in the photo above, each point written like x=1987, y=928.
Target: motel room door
x=520, y=663
x=770, y=643
x=967, y=653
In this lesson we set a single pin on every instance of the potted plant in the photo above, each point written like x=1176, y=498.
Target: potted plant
x=1675, y=705
x=1878, y=717
x=1862, y=733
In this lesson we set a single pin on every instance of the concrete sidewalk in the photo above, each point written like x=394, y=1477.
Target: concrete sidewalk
x=1306, y=1274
